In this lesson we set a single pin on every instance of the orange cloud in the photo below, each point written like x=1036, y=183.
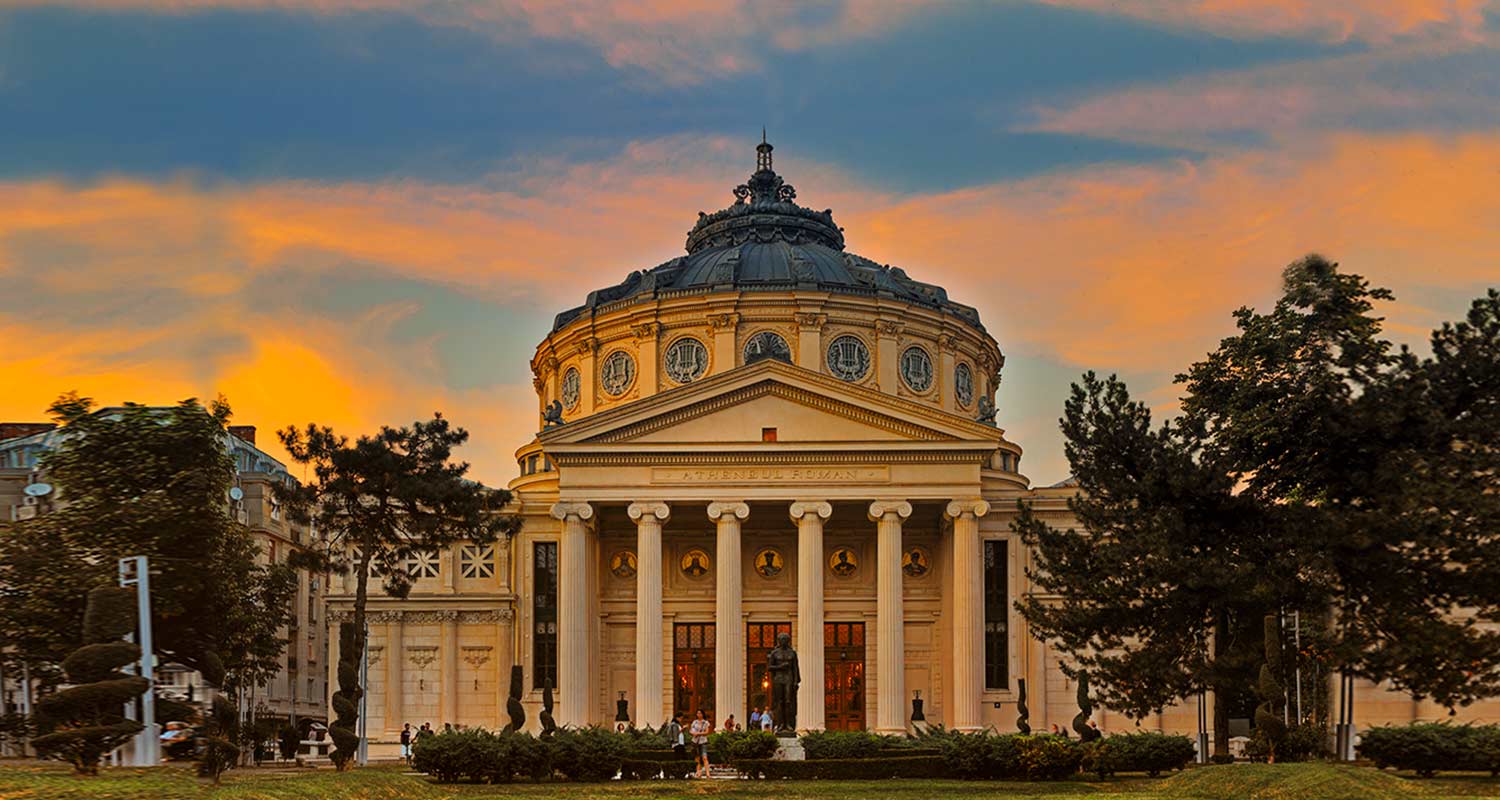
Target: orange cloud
x=1374, y=21
x=131, y=290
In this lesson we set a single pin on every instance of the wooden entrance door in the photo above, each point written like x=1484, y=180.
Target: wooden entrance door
x=844, y=676
x=760, y=640
x=693, y=668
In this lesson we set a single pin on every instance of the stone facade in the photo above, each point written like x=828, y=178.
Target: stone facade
x=751, y=446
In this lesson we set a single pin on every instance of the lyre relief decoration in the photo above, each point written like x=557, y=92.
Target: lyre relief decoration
x=915, y=562
x=843, y=563
x=622, y=564
x=769, y=563
x=696, y=563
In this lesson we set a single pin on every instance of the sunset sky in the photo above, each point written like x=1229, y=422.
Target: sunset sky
x=357, y=212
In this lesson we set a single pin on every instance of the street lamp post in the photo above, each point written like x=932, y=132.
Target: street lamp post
x=134, y=571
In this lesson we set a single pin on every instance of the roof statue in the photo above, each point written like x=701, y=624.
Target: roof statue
x=765, y=241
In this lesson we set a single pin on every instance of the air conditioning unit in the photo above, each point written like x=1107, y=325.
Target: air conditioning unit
x=242, y=516
x=26, y=510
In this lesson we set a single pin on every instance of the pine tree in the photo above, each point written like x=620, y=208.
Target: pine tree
x=86, y=719
x=377, y=501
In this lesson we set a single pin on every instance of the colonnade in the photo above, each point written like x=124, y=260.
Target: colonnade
x=652, y=695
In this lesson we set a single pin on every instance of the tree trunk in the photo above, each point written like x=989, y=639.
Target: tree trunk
x=1221, y=698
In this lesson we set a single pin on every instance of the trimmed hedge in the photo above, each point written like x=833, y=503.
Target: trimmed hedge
x=821, y=745
x=1151, y=753
x=479, y=756
x=1427, y=748
x=847, y=768
x=730, y=747
x=984, y=756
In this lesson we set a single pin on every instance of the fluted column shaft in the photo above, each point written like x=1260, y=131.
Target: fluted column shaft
x=890, y=622
x=573, y=667
x=395, y=654
x=650, y=700
x=968, y=615
x=729, y=650
x=809, y=517
x=449, y=696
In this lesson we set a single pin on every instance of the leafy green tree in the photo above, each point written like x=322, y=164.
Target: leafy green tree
x=154, y=482
x=1381, y=466
x=377, y=501
x=1151, y=594
x=86, y=719
x=1316, y=468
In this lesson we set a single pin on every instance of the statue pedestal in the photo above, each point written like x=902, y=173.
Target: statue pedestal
x=789, y=748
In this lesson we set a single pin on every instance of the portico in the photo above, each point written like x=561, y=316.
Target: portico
x=666, y=543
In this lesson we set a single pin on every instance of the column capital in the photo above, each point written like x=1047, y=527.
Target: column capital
x=880, y=508
x=652, y=508
x=719, y=508
x=821, y=508
x=974, y=506
x=562, y=511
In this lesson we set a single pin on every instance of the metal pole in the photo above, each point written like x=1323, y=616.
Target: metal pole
x=1286, y=705
x=1297, y=644
x=26, y=701
x=362, y=755
x=1202, y=730
x=146, y=752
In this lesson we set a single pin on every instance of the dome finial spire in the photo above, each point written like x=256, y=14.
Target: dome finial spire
x=763, y=153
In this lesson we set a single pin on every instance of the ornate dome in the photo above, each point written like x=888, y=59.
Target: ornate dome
x=765, y=241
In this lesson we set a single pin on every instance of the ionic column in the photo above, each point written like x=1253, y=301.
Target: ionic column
x=729, y=651
x=890, y=622
x=650, y=701
x=448, y=705
x=809, y=517
x=962, y=695
x=395, y=657
x=573, y=667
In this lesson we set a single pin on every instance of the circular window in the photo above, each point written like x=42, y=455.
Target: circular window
x=767, y=344
x=570, y=384
x=617, y=374
x=916, y=369
x=963, y=384
x=687, y=360
x=848, y=358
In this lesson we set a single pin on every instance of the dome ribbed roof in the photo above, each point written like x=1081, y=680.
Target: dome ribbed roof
x=765, y=241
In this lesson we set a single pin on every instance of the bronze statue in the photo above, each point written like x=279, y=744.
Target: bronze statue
x=552, y=416
x=786, y=676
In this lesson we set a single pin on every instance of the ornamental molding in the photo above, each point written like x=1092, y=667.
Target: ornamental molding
x=646, y=330
x=947, y=342
x=723, y=321
x=476, y=655
x=775, y=389
x=338, y=616
x=428, y=617
x=889, y=328
x=965, y=456
x=373, y=653
x=384, y=617
x=504, y=614
x=422, y=656
x=550, y=363
x=811, y=321
x=588, y=345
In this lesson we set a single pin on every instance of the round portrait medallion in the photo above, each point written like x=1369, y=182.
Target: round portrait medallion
x=768, y=562
x=843, y=562
x=622, y=564
x=915, y=562
x=695, y=563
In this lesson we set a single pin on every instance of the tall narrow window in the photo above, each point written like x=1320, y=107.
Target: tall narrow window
x=996, y=609
x=544, y=616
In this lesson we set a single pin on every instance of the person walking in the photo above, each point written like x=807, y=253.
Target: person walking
x=406, y=743
x=700, y=730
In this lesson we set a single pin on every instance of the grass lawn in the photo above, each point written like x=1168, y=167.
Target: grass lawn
x=1239, y=782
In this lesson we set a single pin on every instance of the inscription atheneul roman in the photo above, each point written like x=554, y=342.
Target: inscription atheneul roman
x=828, y=474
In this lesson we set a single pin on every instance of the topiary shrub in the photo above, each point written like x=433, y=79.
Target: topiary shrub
x=982, y=756
x=221, y=731
x=727, y=747
x=288, y=740
x=87, y=717
x=821, y=745
x=1151, y=753
x=588, y=754
x=479, y=756
x=1301, y=743
x=1427, y=748
x=1269, y=726
x=345, y=701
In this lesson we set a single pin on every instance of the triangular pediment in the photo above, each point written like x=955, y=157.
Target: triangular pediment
x=803, y=407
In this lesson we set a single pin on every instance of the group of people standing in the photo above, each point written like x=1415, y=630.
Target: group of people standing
x=409, y=737
x=699, y=730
